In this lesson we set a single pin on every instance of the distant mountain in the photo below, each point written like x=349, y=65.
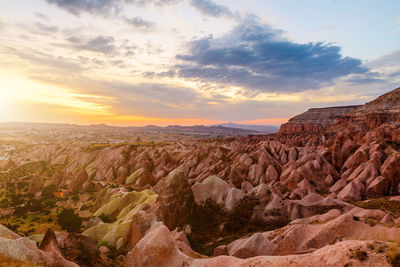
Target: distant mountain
x=258, y=128
x=213, y=130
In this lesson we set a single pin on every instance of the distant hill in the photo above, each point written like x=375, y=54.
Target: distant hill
x=214, y=130
x=258, y=128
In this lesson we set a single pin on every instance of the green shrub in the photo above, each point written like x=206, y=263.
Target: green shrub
x=106, y=218
x=48, y=192
x=34, y=205
x=102, y=243
x=69, y=221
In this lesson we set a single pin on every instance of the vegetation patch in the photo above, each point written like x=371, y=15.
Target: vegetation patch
x=383, y=203
x=69, y=221
x=212, y=225
x=359, y=254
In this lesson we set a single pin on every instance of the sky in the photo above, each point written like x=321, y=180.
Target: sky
x=187, y=62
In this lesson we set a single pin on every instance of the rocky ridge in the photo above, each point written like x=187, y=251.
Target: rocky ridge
x=316, y=119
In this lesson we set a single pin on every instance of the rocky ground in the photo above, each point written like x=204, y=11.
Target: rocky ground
x=324, y=191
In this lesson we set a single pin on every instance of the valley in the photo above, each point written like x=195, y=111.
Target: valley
x=323, y=191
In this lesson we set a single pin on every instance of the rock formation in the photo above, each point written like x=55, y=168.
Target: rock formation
x=315, y=119
x=323, y=191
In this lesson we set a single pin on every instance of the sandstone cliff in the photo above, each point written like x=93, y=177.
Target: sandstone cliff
x=316, y=119
x=385, y=108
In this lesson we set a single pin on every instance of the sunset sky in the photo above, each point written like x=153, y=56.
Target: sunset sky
x=139, y=62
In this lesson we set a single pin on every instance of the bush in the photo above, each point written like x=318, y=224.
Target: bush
x=48, y=191
x=49, y=203
x=20, y=211
x=16, y=199
x=12, y=227
x=34, y=205
x=69, y=221
x=102, y=243
x=106, y=218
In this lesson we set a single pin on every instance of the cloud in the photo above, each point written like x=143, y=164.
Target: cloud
x=387, y=67
x=152, y=2
x=41, y=62
x=95, y=7
x=154, y=99
x=140, y=24
x=46, y=28
x=256, y=57
x=42, y=16
x=364, y=80
x=100, y=44
x=390, y=60
x=395, y=74
x=210, y=8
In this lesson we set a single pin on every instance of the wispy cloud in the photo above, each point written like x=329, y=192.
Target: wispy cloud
x=96, y=7
x=100, y=44
x=152, y=2
x=42, y=16
x=46, y=27
x=210, y=8
x=104, y=7
x=140, y=23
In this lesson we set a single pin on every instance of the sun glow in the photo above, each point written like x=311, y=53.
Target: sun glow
x=3, y=105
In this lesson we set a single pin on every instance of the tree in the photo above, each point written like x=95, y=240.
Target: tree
x=48, y=191
x=69, y=221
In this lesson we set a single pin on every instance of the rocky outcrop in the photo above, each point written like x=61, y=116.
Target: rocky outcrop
x=384, y=109
x=256, y=245
x=149, y=200
x=81, y=250
x=315, y=119
x=215, y=189
x=121, y=209
x=50, y=245
x=158, y=249
x=176, y=200
x=318, y=247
